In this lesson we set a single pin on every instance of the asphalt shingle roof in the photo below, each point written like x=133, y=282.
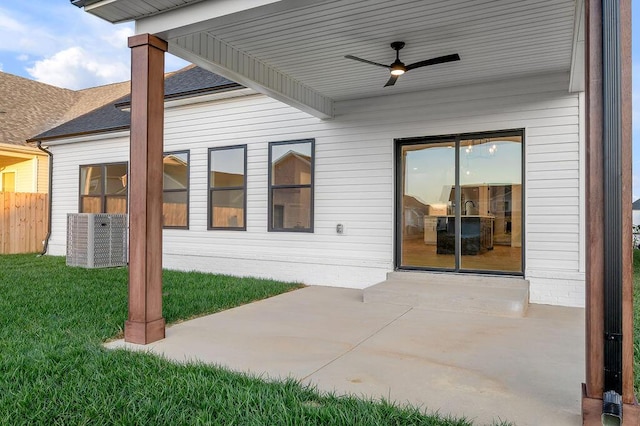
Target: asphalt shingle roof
x=28, y=107
x=189, y=81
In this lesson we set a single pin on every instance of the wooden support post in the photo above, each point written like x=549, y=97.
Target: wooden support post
x=145, y=323
x=594, y=386
x=595, y=201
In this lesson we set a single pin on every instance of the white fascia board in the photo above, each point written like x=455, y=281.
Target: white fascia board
x=207, y=15
x=576, y=81
x=199, y=99
x=211, y=97
x=219, y=57
x=86, y=138
x=21, y=151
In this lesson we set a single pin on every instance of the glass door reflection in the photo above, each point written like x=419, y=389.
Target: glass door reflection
x=490, y=200
x=428, y=179
x=460, y=203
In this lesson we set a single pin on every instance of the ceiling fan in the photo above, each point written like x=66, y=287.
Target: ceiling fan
x=398, y=68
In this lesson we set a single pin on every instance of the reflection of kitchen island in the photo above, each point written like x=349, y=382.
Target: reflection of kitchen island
x=476, y=236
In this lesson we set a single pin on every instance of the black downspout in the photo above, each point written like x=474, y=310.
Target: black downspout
x=612, y=143
x=49, y=216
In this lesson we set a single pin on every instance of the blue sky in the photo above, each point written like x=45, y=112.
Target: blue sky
x=56, y=43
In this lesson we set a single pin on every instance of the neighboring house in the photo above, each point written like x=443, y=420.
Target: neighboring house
x=28, y=107
x=23, y=169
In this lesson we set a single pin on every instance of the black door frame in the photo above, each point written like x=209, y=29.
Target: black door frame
x=398, y=191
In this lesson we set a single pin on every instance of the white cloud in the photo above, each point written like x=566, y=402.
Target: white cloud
x=59, y=44
x=22, y=35
x=76, y=68
x=9, y=24
x=118, y=38
x=1, y=67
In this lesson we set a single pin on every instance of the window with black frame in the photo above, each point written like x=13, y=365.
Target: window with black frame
x=175, y=194
x=103, y=188
x=228, y=188
x=291, y=169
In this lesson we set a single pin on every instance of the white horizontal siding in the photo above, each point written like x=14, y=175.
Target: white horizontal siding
x=67, y=160
x=354, y=181
x=43, y=174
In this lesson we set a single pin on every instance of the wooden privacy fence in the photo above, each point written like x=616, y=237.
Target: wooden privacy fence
x=23, y=222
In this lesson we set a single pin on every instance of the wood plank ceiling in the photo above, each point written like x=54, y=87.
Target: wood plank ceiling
x=496, y=39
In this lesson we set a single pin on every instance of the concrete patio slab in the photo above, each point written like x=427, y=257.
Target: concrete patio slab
x=527, y=370
x=483, y=294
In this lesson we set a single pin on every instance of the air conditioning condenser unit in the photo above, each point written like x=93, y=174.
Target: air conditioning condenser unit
x=96, y=240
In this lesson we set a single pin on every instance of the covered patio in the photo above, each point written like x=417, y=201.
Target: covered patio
x=294, y=52
x=486, y=368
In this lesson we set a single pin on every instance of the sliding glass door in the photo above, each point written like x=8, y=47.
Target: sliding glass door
x=429, y=175
x=460, y=203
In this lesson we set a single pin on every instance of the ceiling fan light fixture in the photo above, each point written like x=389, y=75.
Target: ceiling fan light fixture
x=397, y=68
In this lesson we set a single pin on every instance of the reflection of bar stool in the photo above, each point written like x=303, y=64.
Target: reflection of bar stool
x=446, y=243
x=470, y=244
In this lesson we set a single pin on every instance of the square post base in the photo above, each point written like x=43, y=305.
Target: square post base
x=592, y=411
x=143, y=333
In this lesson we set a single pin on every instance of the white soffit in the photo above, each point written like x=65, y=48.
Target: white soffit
x=576, y=83
x=116, y=11
x=300, y=44
x=221, y=58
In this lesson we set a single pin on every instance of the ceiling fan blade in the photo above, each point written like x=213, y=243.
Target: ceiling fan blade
x=434, y=61
x=355, y=58
x=392, y=80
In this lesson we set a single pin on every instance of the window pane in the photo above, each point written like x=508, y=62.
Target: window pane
x=428, y=205
x=291, y=164
x=227, y=167
x=490, y=202
x=116, y=179
x=227, y=208
x=91, y=205
x=176, y=171
x=291, y=208
x=91, y=180
x=174, y=209
x=116, y=204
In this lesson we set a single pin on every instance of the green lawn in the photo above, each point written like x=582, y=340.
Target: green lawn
x=54, y=371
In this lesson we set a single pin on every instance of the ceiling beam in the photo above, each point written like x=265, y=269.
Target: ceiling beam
x=219, y=57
